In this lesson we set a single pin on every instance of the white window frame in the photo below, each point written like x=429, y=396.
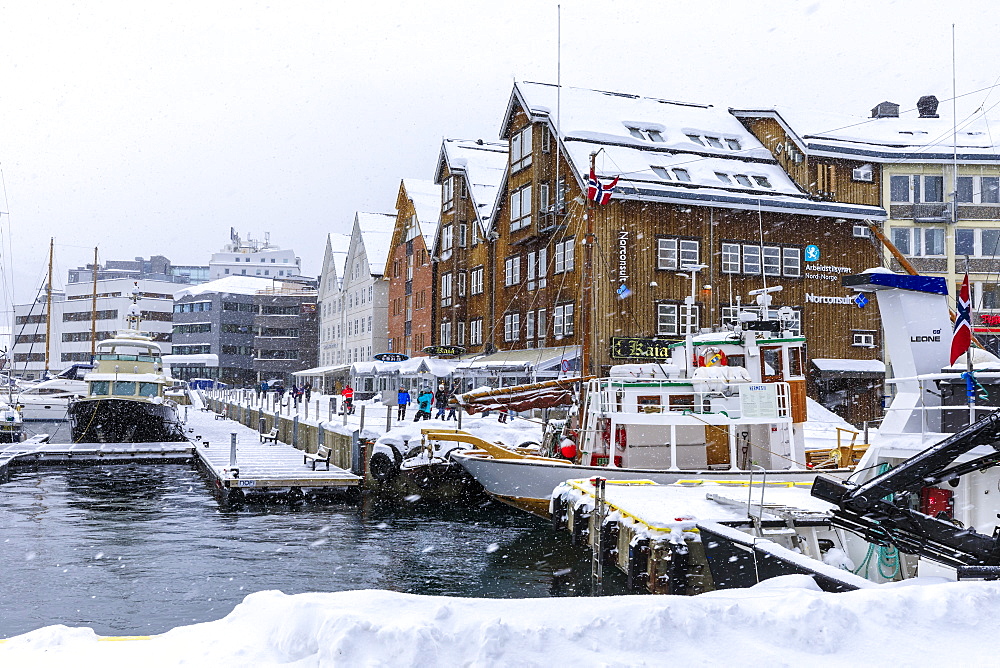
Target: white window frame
x=446, y=289
x=462, y=282
x=563, y=256
x=512, y=271
x=476, y=331
x=863, y=339
x=672, y=253
x=520, y=208
x=673, y=319
x=476, y=281
x=511, y=327
x=562, y=320
x=445, y=330
x=917, y=240
x=791, y=261
x=520, y=149
x=731, y=259
x=751, y=259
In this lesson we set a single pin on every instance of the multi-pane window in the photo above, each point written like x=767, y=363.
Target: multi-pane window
x=916, y=188
x=536, y=268
x=511, y=326
x=978, y=189
x=446, y=238
x=477, y=280
x=791, y=262
x=977, y=242
x=446, y=289
x=772, y=261
x=562, y=320
x=463, y=235
x=864, y=339
x=448, y=192
x=676, y=319
x=520, y=208
x=529, y=325
x=563, y=256
x=462, y=281
x=520, y=149
x=476, y=331
x=751, y=259
x=730, y=258
x=512, y=270
x=918, y=241
x=673, y=253
x=540, y=325
x=445, y=334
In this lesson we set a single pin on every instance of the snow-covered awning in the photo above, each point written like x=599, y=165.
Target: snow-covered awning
x=539, y=359
x=844, y=366
x=321, y=370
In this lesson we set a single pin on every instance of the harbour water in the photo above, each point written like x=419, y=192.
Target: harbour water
x=139, y=549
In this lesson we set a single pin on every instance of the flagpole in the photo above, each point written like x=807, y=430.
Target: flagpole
x=588, y=282
x=971, y=398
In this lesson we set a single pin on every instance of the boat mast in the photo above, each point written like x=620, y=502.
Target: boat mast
x=93, y=312
x=48, y=309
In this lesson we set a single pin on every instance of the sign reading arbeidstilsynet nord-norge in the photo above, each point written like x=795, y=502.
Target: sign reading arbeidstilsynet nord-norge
x=646, y=349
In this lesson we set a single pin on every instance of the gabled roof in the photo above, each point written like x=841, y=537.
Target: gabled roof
x=376, y=235
x=645, y=140
x=334, y=260
x=426, y=198
x=906, y=138
x=484, y=164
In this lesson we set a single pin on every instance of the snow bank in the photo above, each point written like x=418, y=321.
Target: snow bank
x=784, y=621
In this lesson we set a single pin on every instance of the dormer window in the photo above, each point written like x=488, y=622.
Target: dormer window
x=682, y=174
x=662, y=172
x=696, y=139
x=733, y=144
x=761, y=181
x=724, y=178
x=714, y=142
x=646, y=133
x=743, y=180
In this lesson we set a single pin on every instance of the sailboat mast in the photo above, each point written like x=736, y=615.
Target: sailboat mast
x=48, y=308
x=93, y=311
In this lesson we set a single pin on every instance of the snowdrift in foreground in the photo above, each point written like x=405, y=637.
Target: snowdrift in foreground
x=785, y=621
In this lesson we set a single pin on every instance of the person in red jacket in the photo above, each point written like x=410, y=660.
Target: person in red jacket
x=348, y=394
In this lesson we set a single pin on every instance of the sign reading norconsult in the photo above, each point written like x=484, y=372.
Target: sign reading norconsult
x=826, y=299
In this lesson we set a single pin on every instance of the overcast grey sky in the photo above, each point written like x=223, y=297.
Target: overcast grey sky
x=151, y=128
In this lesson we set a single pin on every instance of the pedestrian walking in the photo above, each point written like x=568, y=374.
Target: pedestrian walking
x=424, y=401
x=440, y=402
x=452, y=406
x=348, y=394
x=402, y=401
x=308, y=391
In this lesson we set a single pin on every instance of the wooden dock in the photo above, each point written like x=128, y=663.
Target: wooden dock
x=259, y=468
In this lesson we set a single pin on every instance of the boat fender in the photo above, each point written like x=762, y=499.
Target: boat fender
x=621, y=438
x=382, y=468
x=558, y=513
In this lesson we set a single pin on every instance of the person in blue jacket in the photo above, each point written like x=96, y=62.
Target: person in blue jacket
x=424, y=401
x=402, y=400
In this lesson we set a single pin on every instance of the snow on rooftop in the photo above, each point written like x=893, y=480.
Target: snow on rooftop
x=906, y=134
x=671, y=151
x=426, y=198
x=234, y=285
x=863, y=366
x=376, y=234
x=484, y=164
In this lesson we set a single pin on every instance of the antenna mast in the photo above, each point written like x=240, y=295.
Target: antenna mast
x=48, y=308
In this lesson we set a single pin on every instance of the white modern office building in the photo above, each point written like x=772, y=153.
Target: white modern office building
x=253, y=258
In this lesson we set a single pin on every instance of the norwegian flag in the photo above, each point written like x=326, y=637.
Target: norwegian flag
x=961, y=338
x=599, y=192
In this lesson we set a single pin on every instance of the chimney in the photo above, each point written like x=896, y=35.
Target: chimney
x=927, y=106
x=886, y=110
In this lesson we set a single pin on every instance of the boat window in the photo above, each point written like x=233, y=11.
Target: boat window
x=795, y=361
x=124, y=388
x=770, y=364
x=99, y=387
x=649, y=404
x=148, y=389
x=681, y=402
x=736, y=360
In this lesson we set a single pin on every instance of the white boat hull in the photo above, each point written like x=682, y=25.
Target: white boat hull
x=36, y=411
x=528, y=484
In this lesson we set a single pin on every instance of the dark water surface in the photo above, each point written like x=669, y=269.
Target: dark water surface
x=139, y=549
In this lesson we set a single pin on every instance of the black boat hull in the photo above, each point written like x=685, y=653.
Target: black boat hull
x=113, y=420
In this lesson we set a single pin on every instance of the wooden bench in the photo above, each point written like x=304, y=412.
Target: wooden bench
x=270, y=436
x=322, y=455
x=221, y=415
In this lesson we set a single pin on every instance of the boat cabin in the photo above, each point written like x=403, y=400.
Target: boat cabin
x=725, y=400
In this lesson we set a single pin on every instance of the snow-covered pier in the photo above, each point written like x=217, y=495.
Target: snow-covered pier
x=248, y=466
x=31, y=453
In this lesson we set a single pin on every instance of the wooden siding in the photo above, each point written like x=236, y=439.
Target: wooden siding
x=421, y=286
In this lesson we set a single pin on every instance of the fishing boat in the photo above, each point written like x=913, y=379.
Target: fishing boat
x=727, y=402
x=125, y=400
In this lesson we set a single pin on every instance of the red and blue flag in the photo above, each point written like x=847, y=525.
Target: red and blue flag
x=961, y=337
x=600, y=192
